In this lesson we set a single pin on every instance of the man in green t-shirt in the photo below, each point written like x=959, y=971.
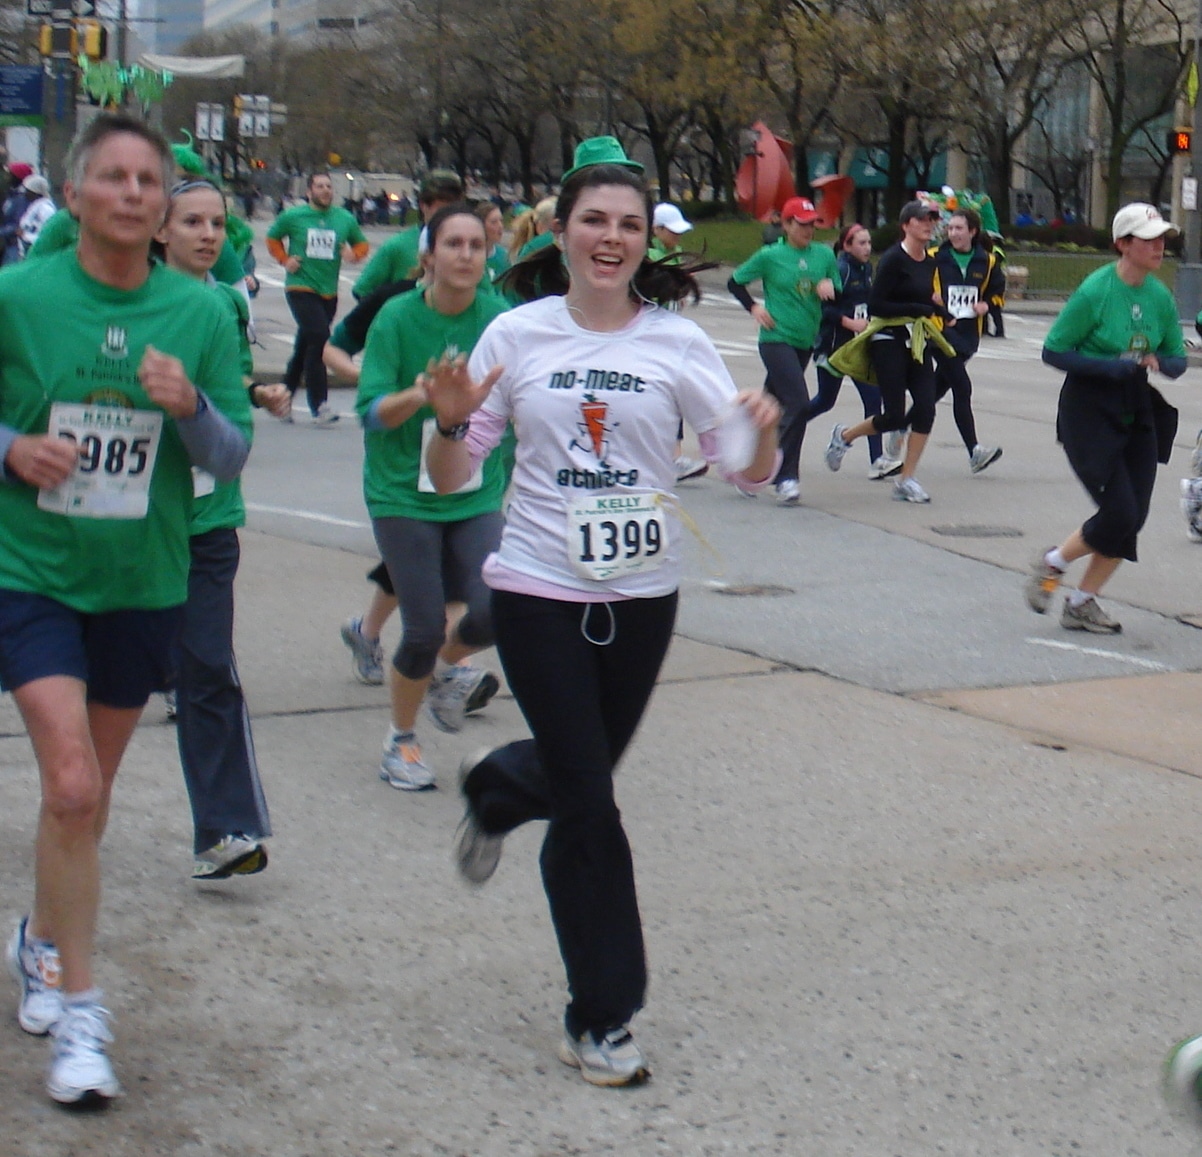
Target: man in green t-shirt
x=398, y=258
x=116, y=378
x=308, y=241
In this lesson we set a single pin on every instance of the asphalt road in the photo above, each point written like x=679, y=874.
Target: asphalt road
x=885, y=594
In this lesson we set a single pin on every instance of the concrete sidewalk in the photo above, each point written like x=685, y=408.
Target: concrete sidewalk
x=876, y=924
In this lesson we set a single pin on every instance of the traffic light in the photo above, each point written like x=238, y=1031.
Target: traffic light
x=57, y=40
x=1179, y=141
x=94, y=39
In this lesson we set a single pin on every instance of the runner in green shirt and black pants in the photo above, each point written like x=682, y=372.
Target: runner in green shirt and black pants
x=316, y=234
x=798, y=276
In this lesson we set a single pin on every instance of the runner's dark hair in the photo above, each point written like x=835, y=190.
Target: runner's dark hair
x=438, y=219
x=973, y=219
x=543, y=273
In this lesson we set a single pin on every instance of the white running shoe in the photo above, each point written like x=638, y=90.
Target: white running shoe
x=909, y=490
x=80, y=1072
x=788, y=492
x=450, y=696
x=884, y=467
x=1183, y=1078
x=613, y=1060
x=895, y=444
x=35, y=966
x=325, y=417
x=367, y=655
x=1196, y=457
x=687, y=468
x=836, y=448
x=1191, y=507
x=402, y=766
x=477, y=852
x=232, y=855
x=983, y=456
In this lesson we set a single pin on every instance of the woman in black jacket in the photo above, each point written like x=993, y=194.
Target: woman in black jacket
x=842, y=319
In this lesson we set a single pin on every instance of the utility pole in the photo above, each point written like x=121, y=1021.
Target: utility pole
x=1189, y=274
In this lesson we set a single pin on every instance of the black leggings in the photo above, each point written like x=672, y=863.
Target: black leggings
x=786, y=382
x=582, y=674
x=896, y=373
x=1115, y=461
x=952, y=374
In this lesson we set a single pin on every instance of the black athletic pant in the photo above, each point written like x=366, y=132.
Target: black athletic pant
x=952, y=374
x=582, y=674
x=313, y=315
x=785, y=381
x=897, y=373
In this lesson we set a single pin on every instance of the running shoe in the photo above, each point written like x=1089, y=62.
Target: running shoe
x=1191, y=507
x=477, y=853
x=1041, y=585
x=615, y=1059
x=325, y=416
x=480, y=698
x=687, y=468
x=909, y=490
x=884, y=467
x=836, y=448
x=232, y=855
x=171, y=706
x=402, y=766
x=982, y=457
x=36, y=968
x=788, y=492
x=449, y=694
x=1088, y=616
x=1183, y=1078
x=367, y=656
x=746, y=492
x=80, y=1072
x=1196, y=457
x=895, y=444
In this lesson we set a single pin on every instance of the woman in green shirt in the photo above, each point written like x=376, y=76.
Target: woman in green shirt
x=497, y=260
x=1119, y=325
x=434, y=545
x=216, y=752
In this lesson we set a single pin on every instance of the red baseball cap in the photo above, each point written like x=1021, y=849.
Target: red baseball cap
x=20, y=170
x=800, y=209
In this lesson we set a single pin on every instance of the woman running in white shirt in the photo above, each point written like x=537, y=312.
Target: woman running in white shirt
x=584, y=584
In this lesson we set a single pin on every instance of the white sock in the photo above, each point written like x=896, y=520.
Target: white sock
x=395, y=733
x=441, y=667
x=90, y=996
x=1079, y=598
x=1055, y=559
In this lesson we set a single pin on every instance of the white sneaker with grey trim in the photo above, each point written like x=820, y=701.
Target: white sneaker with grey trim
x=613, y=1060
x=36, y=968
x=80, y=1071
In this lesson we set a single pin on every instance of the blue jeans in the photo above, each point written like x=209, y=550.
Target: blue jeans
x=828, y=392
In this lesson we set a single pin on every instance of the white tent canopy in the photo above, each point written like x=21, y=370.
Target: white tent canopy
x=200, y=67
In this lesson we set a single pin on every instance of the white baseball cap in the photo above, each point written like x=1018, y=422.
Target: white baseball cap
x=1142, y=221
x=669, y=217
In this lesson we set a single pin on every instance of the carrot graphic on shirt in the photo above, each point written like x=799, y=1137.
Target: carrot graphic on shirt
x=593, y=427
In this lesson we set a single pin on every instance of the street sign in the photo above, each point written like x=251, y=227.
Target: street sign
x=210, y=122
x=21, y=94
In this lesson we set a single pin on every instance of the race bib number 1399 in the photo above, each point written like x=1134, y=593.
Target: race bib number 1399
x=117, y=449
x=610, y=535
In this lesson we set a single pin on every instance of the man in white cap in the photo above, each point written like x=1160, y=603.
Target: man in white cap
x=40, y=209
x=668, y=226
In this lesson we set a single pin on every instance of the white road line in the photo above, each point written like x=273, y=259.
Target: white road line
x=1118, y=656
x=307, y=515
x=269, y=280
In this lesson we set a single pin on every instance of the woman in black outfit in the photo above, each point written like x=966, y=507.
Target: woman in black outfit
x=904, y=289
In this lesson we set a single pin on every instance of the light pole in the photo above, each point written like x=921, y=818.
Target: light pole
x=1189, y=274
